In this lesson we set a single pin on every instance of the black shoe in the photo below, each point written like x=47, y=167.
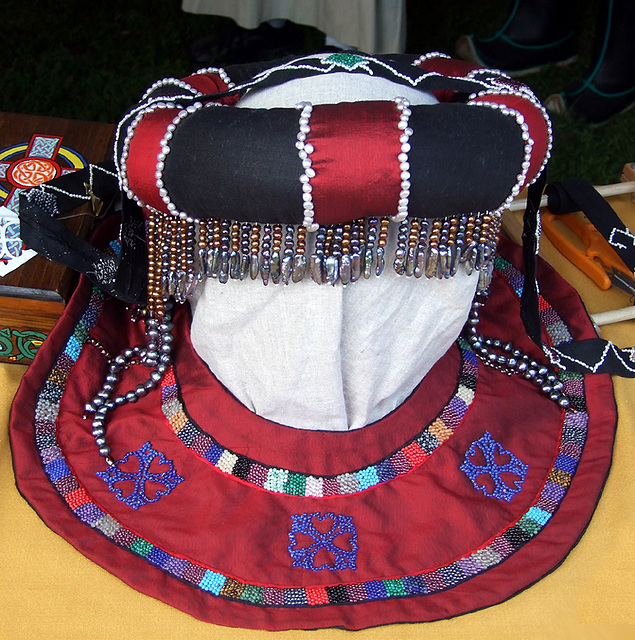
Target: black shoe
x=591, y=104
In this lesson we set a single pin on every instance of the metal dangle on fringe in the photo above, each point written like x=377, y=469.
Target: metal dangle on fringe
x=184, y=251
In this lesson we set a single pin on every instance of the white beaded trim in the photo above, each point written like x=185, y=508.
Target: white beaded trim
x=79, y=196
x=403, y=105
x=125, y=151
x=181, y=84
x=219, y=71
x=147, y=104
x=164, y=143
x=165, y=150
x=429, y=56
x=175, y=82
x=525, y=93
x=529, y=143
x=139, y=112
x=305, y=149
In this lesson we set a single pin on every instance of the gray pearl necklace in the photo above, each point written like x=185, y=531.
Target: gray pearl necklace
x=157, y=354
x=511, y=360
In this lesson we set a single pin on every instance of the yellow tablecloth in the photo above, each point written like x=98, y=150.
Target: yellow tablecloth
x=49, y=590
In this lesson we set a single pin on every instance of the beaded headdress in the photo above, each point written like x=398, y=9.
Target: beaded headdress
x=436, y=508
x=343, y=174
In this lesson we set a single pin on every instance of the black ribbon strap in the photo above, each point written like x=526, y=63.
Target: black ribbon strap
x=124, y=277
x=529, y=311
x=594, y=355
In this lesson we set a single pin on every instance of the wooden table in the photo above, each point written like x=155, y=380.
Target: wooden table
x=33, y=148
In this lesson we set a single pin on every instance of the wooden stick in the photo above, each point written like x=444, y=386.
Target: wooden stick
x=616, y=315
x=606, y=191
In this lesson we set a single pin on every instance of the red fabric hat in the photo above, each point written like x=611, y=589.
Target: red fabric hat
x=473, y=488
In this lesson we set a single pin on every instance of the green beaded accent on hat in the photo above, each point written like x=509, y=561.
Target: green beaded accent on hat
x=346, y=60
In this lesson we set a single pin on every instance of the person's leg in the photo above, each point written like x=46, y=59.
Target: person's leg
x=609, y=87
x=536, y=33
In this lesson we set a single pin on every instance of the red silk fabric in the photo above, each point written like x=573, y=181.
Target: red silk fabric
x=208, y=83
x=142, y=157
x=450, y=67
x=355, y=143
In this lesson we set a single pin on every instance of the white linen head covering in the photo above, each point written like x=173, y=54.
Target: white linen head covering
x=328, y=357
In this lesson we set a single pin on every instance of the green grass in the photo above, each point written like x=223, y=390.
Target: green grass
x=91, y=60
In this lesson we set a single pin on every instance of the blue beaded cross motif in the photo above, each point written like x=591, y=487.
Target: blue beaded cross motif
x=337, y=557
x=490, y=448
x=143, y=478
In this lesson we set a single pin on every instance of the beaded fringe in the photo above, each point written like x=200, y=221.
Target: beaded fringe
x=181, y=252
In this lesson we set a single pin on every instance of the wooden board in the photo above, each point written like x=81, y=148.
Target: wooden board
x=33, y=296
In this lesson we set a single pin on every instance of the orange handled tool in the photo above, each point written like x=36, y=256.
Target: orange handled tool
x=597, y=259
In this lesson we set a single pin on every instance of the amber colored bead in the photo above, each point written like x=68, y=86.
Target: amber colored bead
x=362, y=230
x=383, y=232
x=301, y=240
x=277, y=237
x=235, y=236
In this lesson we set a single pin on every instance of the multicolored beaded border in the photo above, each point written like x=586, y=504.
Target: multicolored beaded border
x=554, y=326
x=499, y=548
x=278, y=480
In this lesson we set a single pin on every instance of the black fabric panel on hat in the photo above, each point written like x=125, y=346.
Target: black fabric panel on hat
x=42, y=231
x=396, y=68
x=240, y=73
x=464, y=159
x=240, y=164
